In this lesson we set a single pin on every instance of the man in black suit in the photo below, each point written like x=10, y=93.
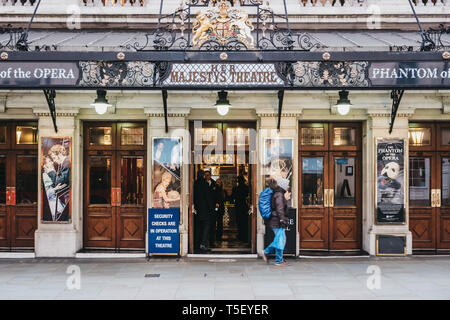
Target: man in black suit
x=205, y=202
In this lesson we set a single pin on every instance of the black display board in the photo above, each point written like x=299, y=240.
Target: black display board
x=291, y=233
x=391, y=245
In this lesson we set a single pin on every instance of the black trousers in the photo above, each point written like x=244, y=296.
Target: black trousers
x=204, y=225
x=216, y=228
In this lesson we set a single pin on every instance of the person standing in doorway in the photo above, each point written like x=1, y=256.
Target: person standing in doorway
x=205, y=204
x=278, y=221
x=221, y=197
x=239, y=195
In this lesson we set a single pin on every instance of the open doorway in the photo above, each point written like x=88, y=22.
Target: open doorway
x=223, y=185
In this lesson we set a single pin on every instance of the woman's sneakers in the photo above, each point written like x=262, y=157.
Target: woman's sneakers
x=282, y=264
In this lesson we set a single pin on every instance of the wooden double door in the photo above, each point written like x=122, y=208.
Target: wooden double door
x=330, y=187
x=429, y=186
x=115, y=197
x=18, y=185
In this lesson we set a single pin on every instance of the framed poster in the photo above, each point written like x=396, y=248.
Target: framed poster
x=167, y=162
x=56, y=179
x=278, y=159
x=390, y=182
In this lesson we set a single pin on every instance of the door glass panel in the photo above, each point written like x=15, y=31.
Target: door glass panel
x=344, y=182
x=100, y=136
x=313, y=136
x=132, y=136
x=2, y=179
x=26, y=134
x=419, y=181
x=445, y=136
x=312, y=181
x=445, y=182
x=132, y=180
x=2, y=134
x=238, y=137
x=206, y=136
x=99, y=180
x=419, y=137
x=344, y=136
x=26, y=180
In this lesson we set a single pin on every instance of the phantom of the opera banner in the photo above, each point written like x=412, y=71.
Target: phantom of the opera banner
x=56, y=179
x=278, y=163
x=390, y=181
x=167, y=161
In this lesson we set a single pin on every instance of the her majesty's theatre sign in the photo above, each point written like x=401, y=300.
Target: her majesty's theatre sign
x=293, y=75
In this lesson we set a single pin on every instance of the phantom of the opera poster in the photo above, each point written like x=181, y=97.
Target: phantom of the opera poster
x=55, y=176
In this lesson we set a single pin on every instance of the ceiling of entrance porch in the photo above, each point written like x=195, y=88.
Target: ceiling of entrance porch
x=123, y=41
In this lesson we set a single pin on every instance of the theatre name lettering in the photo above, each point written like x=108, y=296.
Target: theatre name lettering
x=223, y=74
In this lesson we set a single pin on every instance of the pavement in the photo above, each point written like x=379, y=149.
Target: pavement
x=415, y=277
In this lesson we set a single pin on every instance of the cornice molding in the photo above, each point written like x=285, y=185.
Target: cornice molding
x=171, y=113
x=45, y=112
x=386, y=113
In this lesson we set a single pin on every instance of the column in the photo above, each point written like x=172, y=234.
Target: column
x=178, y=127
x=378, y=127
x=267, y=128
x=61, y=239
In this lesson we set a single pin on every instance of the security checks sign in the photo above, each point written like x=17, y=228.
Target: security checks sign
x=163, y=231
x=390, y=181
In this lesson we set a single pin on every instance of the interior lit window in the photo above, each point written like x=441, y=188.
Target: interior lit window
x=26, y=134
x=206, y=136
x=419, y=136
x=238, y=136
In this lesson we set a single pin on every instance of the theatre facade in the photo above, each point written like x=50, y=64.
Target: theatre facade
x=94, y=136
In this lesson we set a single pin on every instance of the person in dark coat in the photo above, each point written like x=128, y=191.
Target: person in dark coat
x=239, y=195
x=217, y=230
x=278, y=219
x=205, y=203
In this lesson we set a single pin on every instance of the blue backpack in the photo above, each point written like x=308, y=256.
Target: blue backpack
x=265, y=203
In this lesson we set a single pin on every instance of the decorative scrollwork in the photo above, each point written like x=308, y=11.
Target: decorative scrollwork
x=218, y=27
x=16, y=38
x=331, y=74
x=117, y=74
x=436, y=36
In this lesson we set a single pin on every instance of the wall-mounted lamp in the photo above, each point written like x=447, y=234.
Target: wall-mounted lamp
x=343, y=105
x=223, y=105
x=101, y=103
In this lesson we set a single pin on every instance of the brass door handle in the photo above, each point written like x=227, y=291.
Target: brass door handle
x=331, y=195
x=325, y=198
x=438, y=198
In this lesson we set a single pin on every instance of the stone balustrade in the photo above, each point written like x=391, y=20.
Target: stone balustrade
x=302, y=3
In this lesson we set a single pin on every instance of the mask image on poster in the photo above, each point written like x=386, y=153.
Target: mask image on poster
x=55, y=171
x=167, y=157
x=278, y=164
x=390, y=181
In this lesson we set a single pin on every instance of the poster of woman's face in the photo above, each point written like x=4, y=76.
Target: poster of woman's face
x=55, y=176
x=167, y=161
x=278, y=162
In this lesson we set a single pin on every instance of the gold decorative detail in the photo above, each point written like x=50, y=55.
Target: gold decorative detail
x=446, y=55
x=222, y=24
x=121, y=56
x=223, y=56
x=326, y=56
x=4, y=56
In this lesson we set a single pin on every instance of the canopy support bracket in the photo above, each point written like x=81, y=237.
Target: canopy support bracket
x=50, y=95
x=396, y=96
x=164, y=96
x=280, y=107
